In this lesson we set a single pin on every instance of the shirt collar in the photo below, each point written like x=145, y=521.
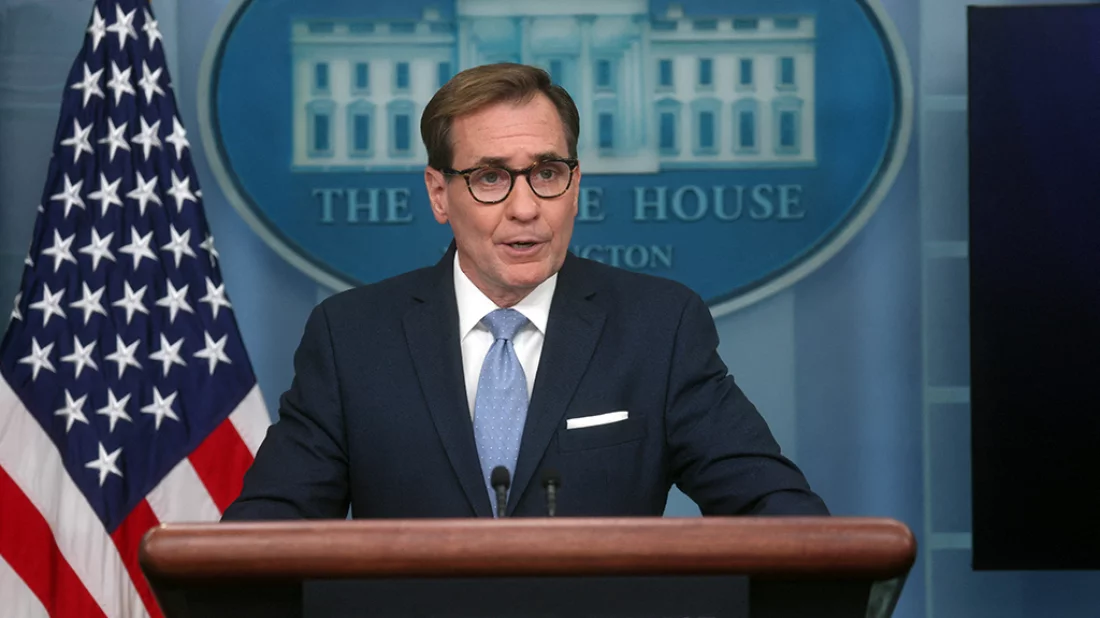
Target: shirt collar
x=473, y=304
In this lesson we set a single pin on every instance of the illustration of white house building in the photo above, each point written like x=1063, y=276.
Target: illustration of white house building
x=654, y=92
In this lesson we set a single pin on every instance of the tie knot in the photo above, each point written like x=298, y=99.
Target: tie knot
x=504, y=323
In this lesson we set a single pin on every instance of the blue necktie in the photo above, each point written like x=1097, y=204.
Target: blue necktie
x=500, y=408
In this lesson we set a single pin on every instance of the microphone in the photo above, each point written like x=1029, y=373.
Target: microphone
x=551, y=482
x=500, y=480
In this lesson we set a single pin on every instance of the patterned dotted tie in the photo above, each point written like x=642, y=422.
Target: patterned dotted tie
x=500, y=408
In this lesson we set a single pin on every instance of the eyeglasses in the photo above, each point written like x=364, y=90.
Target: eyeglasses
x=491, y=184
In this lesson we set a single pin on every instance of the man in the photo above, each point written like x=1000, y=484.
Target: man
x=511, y=352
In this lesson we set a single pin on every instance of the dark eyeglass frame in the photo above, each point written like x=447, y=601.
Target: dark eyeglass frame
x=512, y=174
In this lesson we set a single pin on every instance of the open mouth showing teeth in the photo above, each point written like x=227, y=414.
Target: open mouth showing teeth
x=521, y=245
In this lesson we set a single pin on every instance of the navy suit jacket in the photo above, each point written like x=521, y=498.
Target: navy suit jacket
x=377, y=414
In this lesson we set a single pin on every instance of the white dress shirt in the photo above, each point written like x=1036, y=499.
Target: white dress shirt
x=476, y=339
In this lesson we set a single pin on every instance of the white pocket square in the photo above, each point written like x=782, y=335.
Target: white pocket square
x=593, y=421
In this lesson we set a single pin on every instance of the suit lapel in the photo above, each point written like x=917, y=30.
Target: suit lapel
x=431, y=329
x=572, y=330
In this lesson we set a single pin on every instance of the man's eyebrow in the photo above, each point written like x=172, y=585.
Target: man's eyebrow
x=503, y=162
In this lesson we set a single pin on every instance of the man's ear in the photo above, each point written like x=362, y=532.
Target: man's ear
x=436, y=184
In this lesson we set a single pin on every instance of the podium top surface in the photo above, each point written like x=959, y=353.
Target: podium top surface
x=787, y=547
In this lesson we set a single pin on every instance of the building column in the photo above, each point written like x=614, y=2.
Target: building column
x=587, y=90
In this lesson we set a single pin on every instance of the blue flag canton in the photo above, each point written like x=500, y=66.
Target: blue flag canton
x=122, y=342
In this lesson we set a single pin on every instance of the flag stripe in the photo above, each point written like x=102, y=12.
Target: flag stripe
x=79, y=533
x=221, y=461
x=251, y=419
x=19, y=599
x=181, y=497
x=127, y=538
x=28, y=547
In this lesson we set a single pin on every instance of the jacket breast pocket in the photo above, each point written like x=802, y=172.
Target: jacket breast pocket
x=611, y=434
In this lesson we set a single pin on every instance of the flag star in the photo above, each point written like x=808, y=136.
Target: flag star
x=123, y=26
x=168, y=354
x=40, y=209
x=106, y=463
x=61, y=250
x=90, y=303
x=39, y=358
x=50, y=305
x=115, y=409
x=115, y=139
x=98, y=29
x=139, y=247
x=208, y=244
x=120, y=82
x=145, y=192
x=215, y=297
x=107, y=193
x=124, y=355
x=73, y=411
x=150, y=29
x=181, y=191
x=180, y=245
x=148, y=137
x=214, y=352
x=98, y=248
x=79, y=140
x=16, y=314
x=81, y=356
x=175, y=300
x=90, y=84
x=29, y=261
x=71, y=195
x=161, y=407
x=149, y=82
x=178, y=137
x=132, y=303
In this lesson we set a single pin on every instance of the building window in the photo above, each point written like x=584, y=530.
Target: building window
x=668, y=131
x=705, y=114
x=747, y=129
x=319, y=129
x=668, y=126
x=706, y=72
x=444, y=73
x=786, y=72
x=706, y=24
x=320, y=77
x=401, y=76
x=557, y=72
x=361, y=132
x=322, y=138
x=360, y=117
x=607, y=131
x=664, y=73
x=400, y=114
x=787, y=130
x=603, y=74
x=746, y=23
x=362, y=77
x=786, y=23
x=401, y=133
x=403, y=27
x=745, y=120
x=706, y=130
x=787, y=111
x=360, y=27
x=745, y=77
x=321, y=27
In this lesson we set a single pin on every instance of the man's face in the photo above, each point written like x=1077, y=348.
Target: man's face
x=507, y=249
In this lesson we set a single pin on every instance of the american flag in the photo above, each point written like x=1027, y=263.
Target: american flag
x=126, y=395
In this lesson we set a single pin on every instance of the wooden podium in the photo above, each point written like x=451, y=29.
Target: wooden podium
x=819, y=567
